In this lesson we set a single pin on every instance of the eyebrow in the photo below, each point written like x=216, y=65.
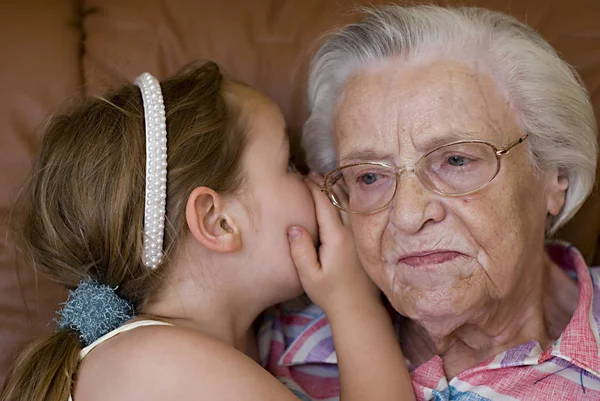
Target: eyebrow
x=364, y=154
x=431, y=143
x=449, y=137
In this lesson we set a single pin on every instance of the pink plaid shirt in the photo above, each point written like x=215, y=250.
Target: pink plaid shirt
x=296, y=346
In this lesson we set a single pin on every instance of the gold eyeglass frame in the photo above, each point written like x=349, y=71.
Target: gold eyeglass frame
x=499, y=153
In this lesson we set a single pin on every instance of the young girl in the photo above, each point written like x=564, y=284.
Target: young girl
x=174, y=202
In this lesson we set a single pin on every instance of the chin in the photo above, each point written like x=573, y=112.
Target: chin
x=437, y=305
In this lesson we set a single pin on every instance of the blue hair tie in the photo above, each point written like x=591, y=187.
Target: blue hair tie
x=93, y=309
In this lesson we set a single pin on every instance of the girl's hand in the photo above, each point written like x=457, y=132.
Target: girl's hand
x=338, y=282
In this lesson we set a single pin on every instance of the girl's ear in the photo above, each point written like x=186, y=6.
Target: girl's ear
x=210, y=223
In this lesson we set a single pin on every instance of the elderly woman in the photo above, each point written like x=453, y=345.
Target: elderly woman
x=454, y=141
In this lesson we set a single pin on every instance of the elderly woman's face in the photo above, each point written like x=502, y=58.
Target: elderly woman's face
x=439, y=258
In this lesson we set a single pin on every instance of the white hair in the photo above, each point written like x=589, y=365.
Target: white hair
x=551, y=103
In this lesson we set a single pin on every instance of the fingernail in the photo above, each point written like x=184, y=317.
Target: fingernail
x=294, y=233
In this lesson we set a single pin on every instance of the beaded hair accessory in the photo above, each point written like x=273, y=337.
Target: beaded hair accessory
x=156, y=169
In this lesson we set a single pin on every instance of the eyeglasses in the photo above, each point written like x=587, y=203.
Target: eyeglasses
x=452, y=170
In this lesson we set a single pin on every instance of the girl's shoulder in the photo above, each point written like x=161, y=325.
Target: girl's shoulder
x=171, y=362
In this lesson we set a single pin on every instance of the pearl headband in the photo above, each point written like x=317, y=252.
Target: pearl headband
x=156, y=169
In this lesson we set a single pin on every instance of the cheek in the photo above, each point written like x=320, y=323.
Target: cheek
x=368, y=232
x=502, y=223
x=511, y=213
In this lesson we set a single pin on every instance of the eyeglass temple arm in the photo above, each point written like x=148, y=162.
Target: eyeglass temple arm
x=511, y=145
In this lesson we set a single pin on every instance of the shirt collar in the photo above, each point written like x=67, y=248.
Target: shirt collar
x=579, y=343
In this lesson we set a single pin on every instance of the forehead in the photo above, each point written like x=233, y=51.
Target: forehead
x=392, y=108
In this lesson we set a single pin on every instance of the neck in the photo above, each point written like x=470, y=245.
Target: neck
x=534, y=310
x=211, y=304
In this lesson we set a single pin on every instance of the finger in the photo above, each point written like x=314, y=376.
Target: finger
x=316, y=178
x=320, y=182
x=328, y=216
x=303, y=251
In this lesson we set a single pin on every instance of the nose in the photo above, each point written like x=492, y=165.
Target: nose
x=414, y=206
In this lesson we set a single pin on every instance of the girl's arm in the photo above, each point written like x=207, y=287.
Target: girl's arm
x=370, y=361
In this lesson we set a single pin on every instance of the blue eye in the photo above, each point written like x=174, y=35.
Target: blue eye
x=458, y=161
x=369, y=178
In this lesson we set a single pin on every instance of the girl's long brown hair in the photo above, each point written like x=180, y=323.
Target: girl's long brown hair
x=84, y=205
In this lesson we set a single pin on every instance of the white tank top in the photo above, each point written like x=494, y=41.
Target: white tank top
x=119, y=330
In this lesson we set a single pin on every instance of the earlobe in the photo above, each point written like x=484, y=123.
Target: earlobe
x=210, y=223
x=556, y=193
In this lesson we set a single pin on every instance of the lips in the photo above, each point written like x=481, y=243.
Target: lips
x=428, y=258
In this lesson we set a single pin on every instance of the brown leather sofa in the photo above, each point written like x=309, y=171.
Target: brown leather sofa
x=56, y=51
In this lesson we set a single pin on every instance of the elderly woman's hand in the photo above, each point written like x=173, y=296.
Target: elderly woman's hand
x=338, y=282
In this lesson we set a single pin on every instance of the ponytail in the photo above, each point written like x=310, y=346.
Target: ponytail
x=44, y=370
